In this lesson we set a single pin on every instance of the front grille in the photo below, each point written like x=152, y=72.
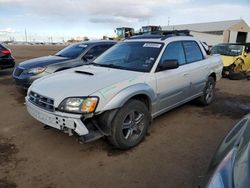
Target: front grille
x=18, y=71
x=41, y=101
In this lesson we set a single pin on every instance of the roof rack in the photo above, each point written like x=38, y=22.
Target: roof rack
x=163, y=35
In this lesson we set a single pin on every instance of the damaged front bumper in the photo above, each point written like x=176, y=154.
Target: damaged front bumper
x=59, y=120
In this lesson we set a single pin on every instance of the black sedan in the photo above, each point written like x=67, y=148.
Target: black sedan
x=6, y=59
x=230, y=166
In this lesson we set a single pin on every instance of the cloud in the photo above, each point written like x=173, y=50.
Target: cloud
x=115, y=20
x=215, y=12
x=110, y=11
x=98, y=17
x=7, y=31
x=128, y=10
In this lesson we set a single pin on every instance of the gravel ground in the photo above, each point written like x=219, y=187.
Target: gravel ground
x=175, y=153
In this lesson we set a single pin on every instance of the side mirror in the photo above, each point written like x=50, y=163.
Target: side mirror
x=168, y=64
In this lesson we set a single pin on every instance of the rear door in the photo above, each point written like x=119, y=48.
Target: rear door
x=172, y=85
x=197, y=67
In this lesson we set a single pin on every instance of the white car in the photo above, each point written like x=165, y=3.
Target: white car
x=119, y=94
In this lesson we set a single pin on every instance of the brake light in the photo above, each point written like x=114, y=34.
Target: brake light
x=6, y=52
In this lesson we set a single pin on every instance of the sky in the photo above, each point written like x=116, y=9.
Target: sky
x=59, y=20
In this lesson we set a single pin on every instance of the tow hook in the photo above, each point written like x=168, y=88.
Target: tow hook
x=68, y=131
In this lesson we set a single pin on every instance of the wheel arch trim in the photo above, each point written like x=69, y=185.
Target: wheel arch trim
x=128, y=93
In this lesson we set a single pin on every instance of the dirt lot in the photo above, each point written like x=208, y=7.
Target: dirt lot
x=176, y=152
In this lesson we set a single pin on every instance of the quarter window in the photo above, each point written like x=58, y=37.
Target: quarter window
x=192, y=51
x=174, y=51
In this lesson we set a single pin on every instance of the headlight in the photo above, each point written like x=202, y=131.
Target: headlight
x=79, y=104
x=36, y=70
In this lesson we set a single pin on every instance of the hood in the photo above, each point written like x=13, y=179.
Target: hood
x=42, y=61
x=80, y=81
x=228, y=60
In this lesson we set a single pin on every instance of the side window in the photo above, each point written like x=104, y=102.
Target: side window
x=174, y=51
x=192, y=51
x=98, y=50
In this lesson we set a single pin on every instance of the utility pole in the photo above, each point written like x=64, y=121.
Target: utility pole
x=168, y=21
x=25, y=35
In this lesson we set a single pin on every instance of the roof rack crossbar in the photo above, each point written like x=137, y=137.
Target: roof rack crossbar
x=163, y=34
x=166, y=34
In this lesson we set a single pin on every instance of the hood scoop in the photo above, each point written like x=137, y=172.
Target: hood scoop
x=84, y=72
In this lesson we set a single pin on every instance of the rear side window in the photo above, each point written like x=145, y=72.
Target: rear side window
x=98, y=50
x=174, y=51
x=72, y=51
x=192, y=51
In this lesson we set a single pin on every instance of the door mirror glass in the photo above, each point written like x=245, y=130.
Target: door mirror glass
x=169, y=64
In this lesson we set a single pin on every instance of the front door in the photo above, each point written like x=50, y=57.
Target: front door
x=172, y=85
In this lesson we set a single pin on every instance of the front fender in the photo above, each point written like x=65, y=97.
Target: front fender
x=124, y=95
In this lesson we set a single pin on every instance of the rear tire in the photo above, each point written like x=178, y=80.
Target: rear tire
x=130, y=125
x=248, y=75
x=208, y=93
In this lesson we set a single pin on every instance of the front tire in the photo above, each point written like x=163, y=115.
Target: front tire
x=208, y=93
x=130, y=125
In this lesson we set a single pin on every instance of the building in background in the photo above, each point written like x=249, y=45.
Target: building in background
x=212, y=33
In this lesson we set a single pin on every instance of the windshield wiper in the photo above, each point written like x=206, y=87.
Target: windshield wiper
x=112, y=66
x=93, y=63
x=106, y=65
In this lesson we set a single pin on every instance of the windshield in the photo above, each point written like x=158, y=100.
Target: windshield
x=228, y=50
x=134, y=56
x=72, y=51
x=120, y=32
x=146, y=29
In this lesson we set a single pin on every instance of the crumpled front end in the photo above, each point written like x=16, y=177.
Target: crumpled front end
x=228, y=60
x=61, y=121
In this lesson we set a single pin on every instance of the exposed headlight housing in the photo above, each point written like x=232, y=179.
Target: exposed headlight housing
x=37, y=70
x=79, y=104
